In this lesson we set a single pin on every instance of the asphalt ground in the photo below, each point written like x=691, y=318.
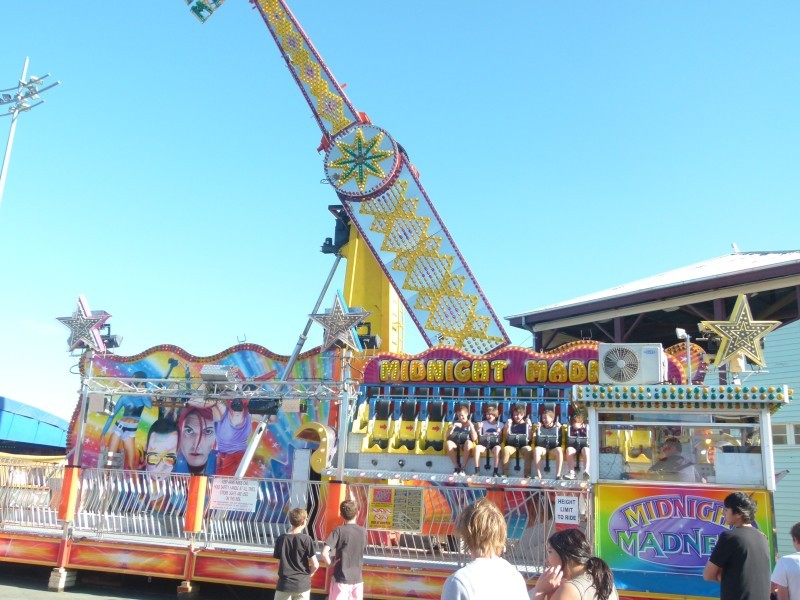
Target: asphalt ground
x=29, y=582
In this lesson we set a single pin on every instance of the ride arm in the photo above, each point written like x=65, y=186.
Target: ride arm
x=381, y=192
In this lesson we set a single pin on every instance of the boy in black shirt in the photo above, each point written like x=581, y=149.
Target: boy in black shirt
x=298, y=560
x=740, y=559
x=348, y=541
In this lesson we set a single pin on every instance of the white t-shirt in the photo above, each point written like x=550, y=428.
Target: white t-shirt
x=485, y=578
x=787, y=574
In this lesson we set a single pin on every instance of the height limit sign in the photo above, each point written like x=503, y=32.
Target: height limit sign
x=567, y=511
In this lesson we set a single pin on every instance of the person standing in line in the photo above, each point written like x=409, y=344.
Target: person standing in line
x=298, y=560
x=348, y=542
x=483, y=528
x=786, y=576
x=740, y=559
x=573, y=573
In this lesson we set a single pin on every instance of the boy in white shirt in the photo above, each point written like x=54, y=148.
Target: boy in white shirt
x=786, y=576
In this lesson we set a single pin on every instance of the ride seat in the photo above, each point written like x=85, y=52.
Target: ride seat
x=380, y=428
x=407, y=428
x=434, y=429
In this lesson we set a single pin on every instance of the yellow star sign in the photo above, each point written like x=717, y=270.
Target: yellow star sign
x=740, y=334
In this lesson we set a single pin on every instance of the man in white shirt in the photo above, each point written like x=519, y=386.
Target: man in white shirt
x=786, y=576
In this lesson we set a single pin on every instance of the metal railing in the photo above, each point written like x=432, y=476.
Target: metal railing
x=132, y=504
x=262, y=527
x=147, y=508
x=529, y=517
x=30, y=493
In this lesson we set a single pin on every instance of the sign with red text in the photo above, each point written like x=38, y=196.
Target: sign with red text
x=395, y=509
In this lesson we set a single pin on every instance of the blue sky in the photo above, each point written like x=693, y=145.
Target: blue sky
x=173, y=177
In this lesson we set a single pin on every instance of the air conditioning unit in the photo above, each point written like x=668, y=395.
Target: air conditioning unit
x=632, y=364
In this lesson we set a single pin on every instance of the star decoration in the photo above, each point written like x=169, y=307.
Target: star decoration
x=360, y=160
x=85, y=327
x=340, y=324
x=740, y=334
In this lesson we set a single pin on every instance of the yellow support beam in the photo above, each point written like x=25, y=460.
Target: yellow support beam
x=367, y=286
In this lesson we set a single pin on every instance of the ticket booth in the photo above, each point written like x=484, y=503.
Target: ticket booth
x=664, y=459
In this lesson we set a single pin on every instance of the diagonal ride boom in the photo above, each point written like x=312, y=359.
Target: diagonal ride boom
x=382, y=194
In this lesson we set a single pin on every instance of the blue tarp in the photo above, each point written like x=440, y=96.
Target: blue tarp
x=25, y=424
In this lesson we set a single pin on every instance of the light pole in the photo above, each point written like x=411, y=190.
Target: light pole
x=682, y=335
x=21, y=98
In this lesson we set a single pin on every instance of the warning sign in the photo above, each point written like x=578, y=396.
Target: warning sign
x=567, y=512
x=395, y=509
x=234, y=494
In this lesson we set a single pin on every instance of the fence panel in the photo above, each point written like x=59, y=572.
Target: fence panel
x=530, y=517
x=132, y=504
x=261, y=527
x=30, y=493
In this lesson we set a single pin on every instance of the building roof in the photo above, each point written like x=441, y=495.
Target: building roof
x=24, y=424
x=677, y=298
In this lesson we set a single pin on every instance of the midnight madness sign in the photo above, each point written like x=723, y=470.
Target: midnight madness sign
x=650, y=533
x=569, y=365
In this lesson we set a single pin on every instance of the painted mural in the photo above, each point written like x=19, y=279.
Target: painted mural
x=199, y=437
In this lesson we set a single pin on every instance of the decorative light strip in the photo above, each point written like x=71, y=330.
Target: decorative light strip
x=683, y=397
x=477, y=480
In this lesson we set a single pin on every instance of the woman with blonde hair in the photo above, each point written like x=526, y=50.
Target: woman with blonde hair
x=483, y=529
x=573, y=572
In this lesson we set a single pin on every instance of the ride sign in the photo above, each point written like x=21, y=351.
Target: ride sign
x=567, y=511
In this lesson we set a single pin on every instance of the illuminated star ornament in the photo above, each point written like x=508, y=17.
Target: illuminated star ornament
x=740, y=334
x=340, y=325
x=360, y=159
x=85, y=327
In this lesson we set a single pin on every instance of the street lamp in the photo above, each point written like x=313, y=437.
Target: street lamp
x=22, y=98
x=681, y=334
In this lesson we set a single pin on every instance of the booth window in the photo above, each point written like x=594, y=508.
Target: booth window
x=680, y=447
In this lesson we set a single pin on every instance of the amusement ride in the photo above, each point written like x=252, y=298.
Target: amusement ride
x=185, y=467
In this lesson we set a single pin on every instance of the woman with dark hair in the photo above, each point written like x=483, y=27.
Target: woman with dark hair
x=574, y=573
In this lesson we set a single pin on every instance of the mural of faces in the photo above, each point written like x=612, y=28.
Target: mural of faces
x=161, y=452
x=197, y=437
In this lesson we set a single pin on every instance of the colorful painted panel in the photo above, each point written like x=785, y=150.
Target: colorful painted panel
x=34, y=551
x=145, y=434
x=648, y=535
x=229, y=568
x=407, y=583
x=157, y=562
